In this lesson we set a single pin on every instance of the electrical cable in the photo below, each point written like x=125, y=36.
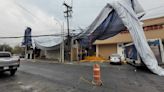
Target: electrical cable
x=10, y=37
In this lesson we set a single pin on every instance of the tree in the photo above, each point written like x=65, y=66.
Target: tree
x=5, y=47
x=18, y=50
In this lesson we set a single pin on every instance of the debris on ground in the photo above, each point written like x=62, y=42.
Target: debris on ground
x=94, y=59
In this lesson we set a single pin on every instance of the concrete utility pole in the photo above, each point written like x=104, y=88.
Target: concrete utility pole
x=68, y=14
x=62, y=45
x=61, y=24
x=4, y=49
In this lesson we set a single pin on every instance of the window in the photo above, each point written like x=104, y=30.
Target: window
x=5, y=55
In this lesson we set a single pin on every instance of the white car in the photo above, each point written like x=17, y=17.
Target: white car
x=115, y=59
x=8, y=62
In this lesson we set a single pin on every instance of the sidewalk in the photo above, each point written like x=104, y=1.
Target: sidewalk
x=41, y=60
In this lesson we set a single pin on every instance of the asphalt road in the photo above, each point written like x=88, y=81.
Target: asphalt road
x=51, y=77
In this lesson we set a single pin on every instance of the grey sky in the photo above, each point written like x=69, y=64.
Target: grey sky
x=43, y=15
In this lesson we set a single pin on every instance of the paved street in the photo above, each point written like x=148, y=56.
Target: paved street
x=54, y=77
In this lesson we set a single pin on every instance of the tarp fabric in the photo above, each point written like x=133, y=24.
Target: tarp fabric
x=27, y=37
x=130, y=20
x=116, y=16
x=48, y=43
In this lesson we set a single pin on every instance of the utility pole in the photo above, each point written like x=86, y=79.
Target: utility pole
x=4, y=48
x=68, y=14
x=62, y=47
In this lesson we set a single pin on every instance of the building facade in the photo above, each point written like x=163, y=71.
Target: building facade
x=153, y=29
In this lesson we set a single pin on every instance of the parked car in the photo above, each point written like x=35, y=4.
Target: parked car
x=115, y=59
x=8, y=62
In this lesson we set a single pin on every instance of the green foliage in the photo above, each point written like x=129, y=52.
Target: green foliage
x=18, y=50
x=5, y=47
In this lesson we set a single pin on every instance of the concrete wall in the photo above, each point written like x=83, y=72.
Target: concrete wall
x=29, y=54
x=106, y=50
x=126, y=37
x=109, y=46
x=74, y=51
x=74, y=55
x=42, y=53
x=153, y=21
x=153, y=28
x=53, y=54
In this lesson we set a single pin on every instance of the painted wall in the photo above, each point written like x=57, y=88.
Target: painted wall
x=126, y=37
x=53, y=54
x=74, y=54
x=153, y=28
x=106, y=50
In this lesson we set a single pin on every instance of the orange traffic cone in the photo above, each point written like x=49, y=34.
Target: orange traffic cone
x=96, y=75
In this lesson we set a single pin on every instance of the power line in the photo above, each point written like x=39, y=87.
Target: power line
x=30, y=13
x=20, y=6
x=10, y=37
x=65, y=34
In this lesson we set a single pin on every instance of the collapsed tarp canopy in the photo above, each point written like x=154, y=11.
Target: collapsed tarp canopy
x=27, y=37
x=108, y=23
x=48, y=43
x=115, y=17
x=52, y=42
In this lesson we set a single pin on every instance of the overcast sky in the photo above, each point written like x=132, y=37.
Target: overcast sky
x=43, y=16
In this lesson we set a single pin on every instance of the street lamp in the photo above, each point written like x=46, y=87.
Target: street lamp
x=62, y=43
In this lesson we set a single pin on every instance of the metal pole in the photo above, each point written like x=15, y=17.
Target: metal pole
x=63, y=44
x=61, y=47
x=4, y=48
x=25, y=52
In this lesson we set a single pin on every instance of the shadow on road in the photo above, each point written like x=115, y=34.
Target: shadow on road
x=5, y=75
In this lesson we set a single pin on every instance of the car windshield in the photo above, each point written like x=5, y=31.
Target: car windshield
x=4, y=55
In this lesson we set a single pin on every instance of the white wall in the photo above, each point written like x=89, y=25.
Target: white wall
x=53, y=54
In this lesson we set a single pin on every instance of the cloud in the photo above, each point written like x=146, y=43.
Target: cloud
x=15, y=18
x=16, y=15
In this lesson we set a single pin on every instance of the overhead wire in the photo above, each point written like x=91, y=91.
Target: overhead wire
x=35, y=17
x=9, y=37
x=30, y=13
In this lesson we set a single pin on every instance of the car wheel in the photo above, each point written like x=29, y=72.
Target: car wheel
x=12, y=72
